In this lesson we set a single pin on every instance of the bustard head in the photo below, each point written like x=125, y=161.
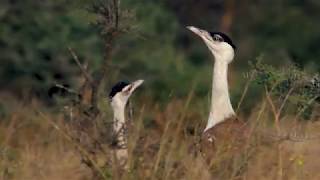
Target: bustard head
x=218, y=43
x=121, y=92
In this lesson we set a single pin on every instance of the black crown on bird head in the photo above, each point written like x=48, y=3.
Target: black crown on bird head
x=117, y=88
x=225, y=38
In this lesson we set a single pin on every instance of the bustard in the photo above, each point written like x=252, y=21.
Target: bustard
x=119, y=95
x=223, y=126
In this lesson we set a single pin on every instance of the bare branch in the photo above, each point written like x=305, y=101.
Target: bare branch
x=69, y=90
x=83, y=70
x=245, y=91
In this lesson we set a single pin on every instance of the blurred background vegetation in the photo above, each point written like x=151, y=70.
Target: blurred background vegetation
x=277, y=42
x=35, y=36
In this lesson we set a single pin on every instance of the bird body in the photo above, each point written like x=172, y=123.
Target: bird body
x=223, y=127
x=229, y=136
x=119, y=97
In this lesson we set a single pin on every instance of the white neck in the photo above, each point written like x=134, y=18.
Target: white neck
x=221, y=107
x=119, y=130
x=119, y=118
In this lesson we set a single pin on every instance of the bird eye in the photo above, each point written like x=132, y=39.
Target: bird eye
x=127, y=89
x=217, y=38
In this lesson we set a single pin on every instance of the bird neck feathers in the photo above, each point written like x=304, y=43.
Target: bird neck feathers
x=221, y=107
x=119, y=117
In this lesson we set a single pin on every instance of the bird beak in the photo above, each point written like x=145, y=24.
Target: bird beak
x=194, y=29
x=135, y=85
x=202, y=33
x=205, y=36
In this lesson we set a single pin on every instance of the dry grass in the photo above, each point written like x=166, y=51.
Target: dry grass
x=161, y=148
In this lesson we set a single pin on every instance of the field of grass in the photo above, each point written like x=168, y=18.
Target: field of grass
x=37, y=144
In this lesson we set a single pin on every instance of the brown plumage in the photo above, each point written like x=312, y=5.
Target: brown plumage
x=224, y=148
x=229, y=136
